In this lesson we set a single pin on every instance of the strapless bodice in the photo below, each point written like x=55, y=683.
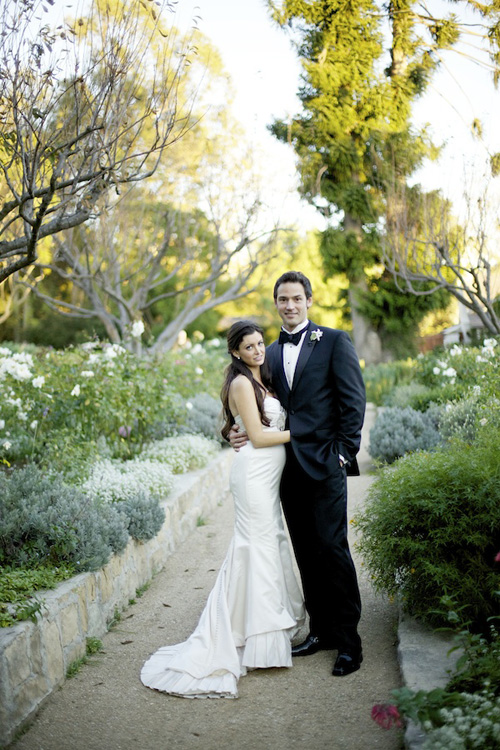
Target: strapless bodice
x=273, y=411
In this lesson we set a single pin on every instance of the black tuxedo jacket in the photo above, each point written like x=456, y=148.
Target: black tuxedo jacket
x=326, y=404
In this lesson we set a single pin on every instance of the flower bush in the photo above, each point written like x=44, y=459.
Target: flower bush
x=183, y=453
x=112, y=480
x=59, y=406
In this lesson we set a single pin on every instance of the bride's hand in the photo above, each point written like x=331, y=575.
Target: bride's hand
x=237, y=438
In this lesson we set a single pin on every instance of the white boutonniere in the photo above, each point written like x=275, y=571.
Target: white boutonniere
x=316, y=335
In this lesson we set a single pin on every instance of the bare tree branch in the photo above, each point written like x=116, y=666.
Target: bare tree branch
x=84, y=109
x=427, y=250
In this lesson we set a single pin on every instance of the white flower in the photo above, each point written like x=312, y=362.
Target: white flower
x=488, y=351
x=316, y=335
x=137, y=329
x=122, y=480
x=7, y=445
x=4, y=352
x=490, y=343
x=197, y=348
x=199, y=371
x=450, y=372
x=2, y=424
x=76, y=390
x=15, y=366
x=480, y=359
x=22, y=416
x=476, y=389
x=34, y=424
x=214, y=342
x=38, y=382
x=87, y=374
x=483, y=421
x=436, y=370
x=455, y=350
x=93, y=358
x=189, y=405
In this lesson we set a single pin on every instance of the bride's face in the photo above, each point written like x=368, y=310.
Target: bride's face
x=252, y=350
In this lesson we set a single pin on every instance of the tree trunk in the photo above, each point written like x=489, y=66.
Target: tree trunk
x=366, y=339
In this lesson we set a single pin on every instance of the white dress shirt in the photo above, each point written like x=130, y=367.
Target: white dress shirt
x=291, y=352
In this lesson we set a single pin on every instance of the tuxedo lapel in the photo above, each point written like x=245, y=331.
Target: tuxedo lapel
x=276, y=365
x=305, y=353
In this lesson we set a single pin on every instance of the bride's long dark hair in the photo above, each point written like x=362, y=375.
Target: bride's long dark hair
x=236, y=367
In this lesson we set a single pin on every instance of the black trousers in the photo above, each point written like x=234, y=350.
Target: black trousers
x=316, y=514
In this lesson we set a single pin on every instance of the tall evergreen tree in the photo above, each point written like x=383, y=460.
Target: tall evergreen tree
x=354, y=139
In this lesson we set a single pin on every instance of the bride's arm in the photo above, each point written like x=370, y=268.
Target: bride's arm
x=242, y=395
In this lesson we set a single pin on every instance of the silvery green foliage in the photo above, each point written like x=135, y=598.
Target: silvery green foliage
x=399, y=431
x=205, y=416
x=404, y=395
x=43, y=520
x=182, y=453
x=145, y=516
x=475, y=724
x=460, y=420
x=117, y=523
x=113, y=480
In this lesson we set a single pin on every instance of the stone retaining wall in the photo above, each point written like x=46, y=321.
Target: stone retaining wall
x=34, y=657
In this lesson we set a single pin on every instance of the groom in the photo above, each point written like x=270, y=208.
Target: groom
x=317, y=378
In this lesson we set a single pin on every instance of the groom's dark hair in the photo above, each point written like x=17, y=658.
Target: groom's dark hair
x=294, y=277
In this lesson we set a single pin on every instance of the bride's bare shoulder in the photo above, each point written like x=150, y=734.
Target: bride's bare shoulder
x=241, y=384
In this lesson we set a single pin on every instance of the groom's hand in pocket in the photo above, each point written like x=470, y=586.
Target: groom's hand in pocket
x=237, y=438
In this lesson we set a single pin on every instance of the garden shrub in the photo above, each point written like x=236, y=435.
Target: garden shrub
x=204, y=416
x=112, y=480
x=380, y=380
x=145, y=516
x=406, y=395
x=400, y=431
x=431, y=527
x=45, y=521
x=460, y=420
x=182, y=453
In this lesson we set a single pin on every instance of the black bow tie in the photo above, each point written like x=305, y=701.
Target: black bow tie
x=291, y=338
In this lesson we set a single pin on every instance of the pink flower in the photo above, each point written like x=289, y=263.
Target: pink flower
x=386, y=715
x=124, y=431
x=497, y=557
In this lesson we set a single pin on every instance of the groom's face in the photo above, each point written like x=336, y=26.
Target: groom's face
x=292, y=304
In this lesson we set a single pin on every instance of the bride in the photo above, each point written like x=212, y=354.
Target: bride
x=255, y=607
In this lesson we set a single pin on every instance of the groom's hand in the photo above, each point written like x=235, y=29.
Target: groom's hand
x=237, y=438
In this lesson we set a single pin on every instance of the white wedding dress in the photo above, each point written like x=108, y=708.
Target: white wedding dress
x=256, y=606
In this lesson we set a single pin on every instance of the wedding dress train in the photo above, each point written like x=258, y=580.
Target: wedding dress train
x=255, y=607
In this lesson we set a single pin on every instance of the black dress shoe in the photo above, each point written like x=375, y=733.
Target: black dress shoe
x=311, y=644
x=347, y=663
